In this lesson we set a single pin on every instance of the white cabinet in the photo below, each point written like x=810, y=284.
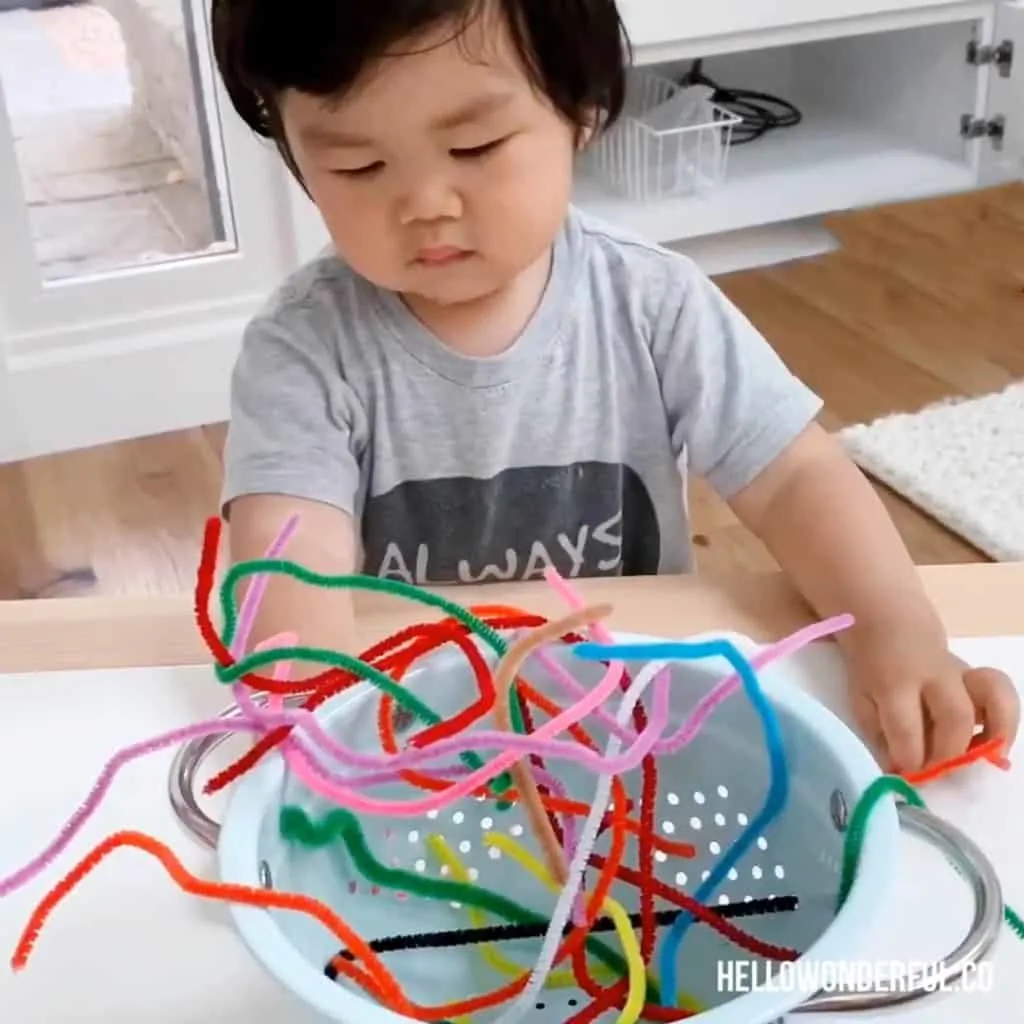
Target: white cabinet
x=655, y=25
x=906, y=102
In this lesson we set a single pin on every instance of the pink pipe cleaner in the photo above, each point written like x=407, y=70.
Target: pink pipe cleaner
x=528, y=744
x=100, y=789
x=721, y=691
x=254, y=595
x=276, y=715
x=212, y=727
x=108, y=774
x=299, y=759
x=314, y=777
x=393, y=765
x=390, y=766
x=220, y=726
x=481, y=776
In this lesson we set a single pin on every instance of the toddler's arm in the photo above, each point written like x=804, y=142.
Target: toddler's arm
x=325, y=542
x=824, y=523
x=738, y=417
x=826, y=526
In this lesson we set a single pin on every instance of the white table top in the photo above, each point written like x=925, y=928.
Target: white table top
x=128, y=947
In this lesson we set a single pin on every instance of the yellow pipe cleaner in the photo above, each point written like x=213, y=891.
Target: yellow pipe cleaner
x=630, y=947
x=488, y=950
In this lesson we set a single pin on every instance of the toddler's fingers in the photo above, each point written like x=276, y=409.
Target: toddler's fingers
x=951, y=712
x=996, y=702
x=865, y=714
x=902, y=719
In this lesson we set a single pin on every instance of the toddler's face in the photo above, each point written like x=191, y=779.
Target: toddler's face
x=444, y=175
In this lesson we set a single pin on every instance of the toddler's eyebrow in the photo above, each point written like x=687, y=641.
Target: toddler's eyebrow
x=324, y=137
x=476, y=109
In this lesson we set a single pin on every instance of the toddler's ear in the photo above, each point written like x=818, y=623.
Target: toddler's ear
x=587, y=129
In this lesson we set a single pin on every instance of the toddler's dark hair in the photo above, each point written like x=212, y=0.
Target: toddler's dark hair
x=575, y=51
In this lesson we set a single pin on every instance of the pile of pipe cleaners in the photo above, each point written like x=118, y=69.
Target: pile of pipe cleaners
x=442, y=760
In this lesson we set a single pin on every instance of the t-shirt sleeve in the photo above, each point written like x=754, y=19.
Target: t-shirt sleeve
x=296, y=426
x=733, y=406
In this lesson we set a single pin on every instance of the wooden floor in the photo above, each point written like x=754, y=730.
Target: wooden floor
x=923, y=301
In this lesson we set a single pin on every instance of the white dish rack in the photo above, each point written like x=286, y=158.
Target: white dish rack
x=670, y=141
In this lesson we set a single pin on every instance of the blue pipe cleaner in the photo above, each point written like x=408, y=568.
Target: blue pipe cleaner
x=778, y=788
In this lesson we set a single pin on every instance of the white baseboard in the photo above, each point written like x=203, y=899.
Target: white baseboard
x=764, y=246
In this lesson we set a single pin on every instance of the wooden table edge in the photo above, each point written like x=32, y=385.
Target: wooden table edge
x=985, y=599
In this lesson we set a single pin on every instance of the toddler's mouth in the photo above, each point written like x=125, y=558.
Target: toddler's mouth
x=441, y=255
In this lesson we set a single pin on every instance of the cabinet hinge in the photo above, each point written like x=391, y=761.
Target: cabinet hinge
x=978, y=128
x=1000, y=55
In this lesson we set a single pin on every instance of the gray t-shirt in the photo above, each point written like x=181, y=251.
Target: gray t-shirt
x=571, y=448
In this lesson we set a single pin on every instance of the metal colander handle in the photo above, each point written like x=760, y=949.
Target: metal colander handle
x=965, y=855
x=970, y=862
x=181, y=781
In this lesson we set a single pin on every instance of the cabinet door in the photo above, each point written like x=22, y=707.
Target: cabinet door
x=143, y=224
x=1005, y=73
x=655, y=22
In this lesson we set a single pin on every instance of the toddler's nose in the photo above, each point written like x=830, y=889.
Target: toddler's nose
x=430, y=200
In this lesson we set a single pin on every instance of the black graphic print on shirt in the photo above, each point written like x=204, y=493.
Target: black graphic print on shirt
x=586, y=519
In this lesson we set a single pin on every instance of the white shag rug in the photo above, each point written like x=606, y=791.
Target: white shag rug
x=961, y=461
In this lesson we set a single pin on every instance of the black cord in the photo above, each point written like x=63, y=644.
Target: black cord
x=760, y=111
x=507, y=932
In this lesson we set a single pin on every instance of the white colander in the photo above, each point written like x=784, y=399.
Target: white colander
x=708, y=793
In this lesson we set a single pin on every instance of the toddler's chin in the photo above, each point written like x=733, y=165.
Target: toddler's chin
x=455, y=292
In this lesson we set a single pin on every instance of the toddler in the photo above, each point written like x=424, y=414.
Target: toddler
x=478, y=380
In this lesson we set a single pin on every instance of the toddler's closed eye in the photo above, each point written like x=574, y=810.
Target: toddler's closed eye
x=477, y=151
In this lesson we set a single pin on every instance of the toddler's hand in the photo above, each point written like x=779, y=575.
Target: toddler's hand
x=918, y=704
